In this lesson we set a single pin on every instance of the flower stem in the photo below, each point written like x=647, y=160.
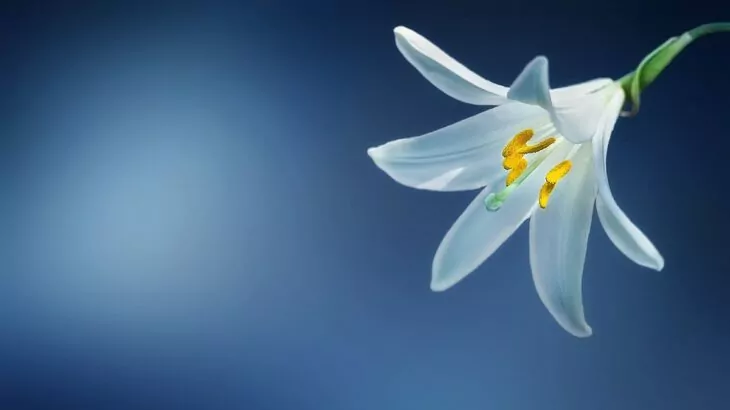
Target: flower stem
x=708, y=28
x=655, y=62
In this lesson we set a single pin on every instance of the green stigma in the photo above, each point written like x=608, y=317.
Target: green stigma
x=493, y=202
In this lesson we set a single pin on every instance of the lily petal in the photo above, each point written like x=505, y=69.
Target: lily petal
x=478, y=232
x=578, y=117
x=570, y=93
x=624, y=234
x=446, y=73
x=532, y=86
x=462, y=156
x=575, y=110
x=558, y=241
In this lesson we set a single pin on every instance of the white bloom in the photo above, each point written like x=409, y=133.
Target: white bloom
x=536, y=145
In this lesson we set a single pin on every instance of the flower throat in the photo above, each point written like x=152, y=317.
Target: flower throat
x=520, y=168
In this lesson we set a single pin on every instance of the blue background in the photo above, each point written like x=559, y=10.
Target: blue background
x=189, y=218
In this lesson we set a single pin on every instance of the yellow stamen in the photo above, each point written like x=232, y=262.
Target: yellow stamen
x=512, y=161
x=516, y=171
x=545, y=192
x=515, y=162
x=556, y=174
x=532, y=149
x=517, y=142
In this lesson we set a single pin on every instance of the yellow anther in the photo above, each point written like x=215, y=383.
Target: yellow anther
x=517, y=142
x=516, y=171
x=556, y=174
x=512, y=161
x=545, y=192
x=532, y=149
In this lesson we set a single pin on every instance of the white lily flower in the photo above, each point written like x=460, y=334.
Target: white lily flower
x=536, y=145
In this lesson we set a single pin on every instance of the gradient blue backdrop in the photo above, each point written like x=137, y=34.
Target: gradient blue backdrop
x=189, y=218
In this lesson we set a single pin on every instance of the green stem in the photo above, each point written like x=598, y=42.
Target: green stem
x=653, y=64
x=708, y=28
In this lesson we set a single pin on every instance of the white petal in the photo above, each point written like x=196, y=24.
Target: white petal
x=478, y=232
x=532, y=86
x=558, y=240
x=624, y=234
x=578, y=117
x=572, y=92
x=575, y=110
x=445, y=73
x=463, y=156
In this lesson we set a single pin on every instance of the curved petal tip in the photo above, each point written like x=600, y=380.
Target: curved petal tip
x=404, y=34
x=571, y=320
x=402, y=30
x=657, y=263
x=444, y=72
x=441, y=282
x=444, y=277
x=582, y=331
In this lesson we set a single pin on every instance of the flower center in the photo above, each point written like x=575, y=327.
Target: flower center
x=516, y=149
x=520, y=168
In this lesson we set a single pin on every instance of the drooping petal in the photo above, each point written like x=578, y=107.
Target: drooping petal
x=558, y=240
x=477, y=233
x=445, y=72
x=625, y=235
x=462, y=156
x=575, y=110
